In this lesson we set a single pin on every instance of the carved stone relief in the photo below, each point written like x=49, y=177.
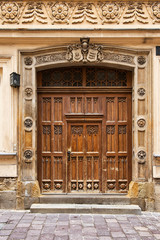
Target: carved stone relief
x=141, y=154
x=110, y=12
x=135, y=12
x=141, y=92
x=118, y=57
x=33, y=12
x=141, y=122
x=154, y=11
x=28, y=61
x=55, y=57
x=84, y=12
x=28, y=123
x=52, y=12
x=28, y=92
x=11, y=12
x=59, y=12
x=141, y=60
x=28, y=156
x=84, y=52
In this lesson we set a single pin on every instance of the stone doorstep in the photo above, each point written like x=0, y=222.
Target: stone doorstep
x=85, y=199
x=84, y=208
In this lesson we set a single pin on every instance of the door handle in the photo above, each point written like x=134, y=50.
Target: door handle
x=68, y=155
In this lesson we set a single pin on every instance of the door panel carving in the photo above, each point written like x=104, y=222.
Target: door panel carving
x=84, y=166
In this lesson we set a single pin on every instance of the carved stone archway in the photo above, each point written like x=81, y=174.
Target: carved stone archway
x=84, y=52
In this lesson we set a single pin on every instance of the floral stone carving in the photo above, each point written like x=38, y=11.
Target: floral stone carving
x=28, y=61
x=107, y=12
x=28, y=123
x=59, y=12
x=141, y=154
x=141, y=60
x=10, y=12
x=154, y=11
x=141, y=92
x=28, y=154
x=28, y=92
x=110, y=12
x=141, y=122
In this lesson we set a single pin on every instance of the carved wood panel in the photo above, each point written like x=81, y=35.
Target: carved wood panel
x=118, y=140
x=50, y=144
x=84, y=165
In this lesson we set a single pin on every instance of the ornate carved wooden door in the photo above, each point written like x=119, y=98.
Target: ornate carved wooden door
x=84, y=157
x=84, y=130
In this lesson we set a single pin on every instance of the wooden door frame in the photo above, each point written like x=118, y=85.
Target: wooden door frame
x=69, y=117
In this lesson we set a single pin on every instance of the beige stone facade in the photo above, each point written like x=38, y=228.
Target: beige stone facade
x=42, y=35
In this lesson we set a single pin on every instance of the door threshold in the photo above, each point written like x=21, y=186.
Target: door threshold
x=86, y=194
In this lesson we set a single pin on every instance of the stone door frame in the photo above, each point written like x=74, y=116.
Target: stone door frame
x=130, y=59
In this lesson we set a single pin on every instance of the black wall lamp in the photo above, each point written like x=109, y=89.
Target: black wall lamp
x=14, y=80
x=157, y=50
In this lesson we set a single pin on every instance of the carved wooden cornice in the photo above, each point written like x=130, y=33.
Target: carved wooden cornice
x=49, y=13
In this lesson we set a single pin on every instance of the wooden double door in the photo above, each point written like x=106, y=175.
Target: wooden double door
x=84, y=139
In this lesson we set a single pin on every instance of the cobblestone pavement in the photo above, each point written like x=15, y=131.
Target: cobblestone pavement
x=18, y=225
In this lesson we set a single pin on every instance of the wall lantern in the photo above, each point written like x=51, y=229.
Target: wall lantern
x=14, y=79
x=157, y=50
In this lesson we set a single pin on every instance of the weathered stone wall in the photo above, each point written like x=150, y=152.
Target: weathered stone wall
x=8, y=187
x=143, y=194
x=27, y=193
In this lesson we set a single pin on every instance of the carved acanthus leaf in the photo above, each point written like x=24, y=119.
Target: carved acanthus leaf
x=135, y=11
x=85, y=12
x=36, y=12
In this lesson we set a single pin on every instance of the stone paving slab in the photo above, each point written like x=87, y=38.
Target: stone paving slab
x=23, y=225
